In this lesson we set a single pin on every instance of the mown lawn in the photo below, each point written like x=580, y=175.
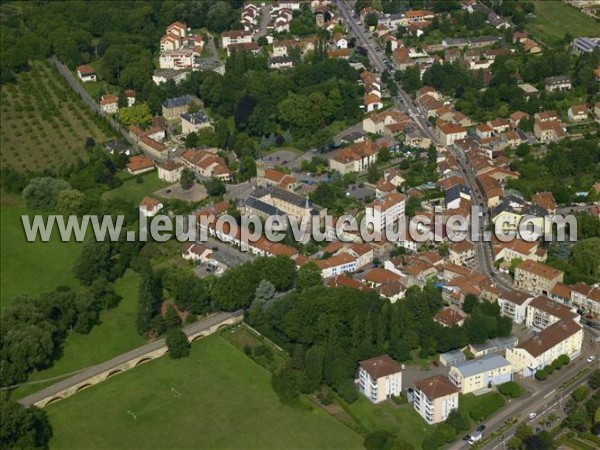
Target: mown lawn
x=44, y=123
x=134, y=190
x=401, y=420
x=555, y=18
x=225, y=401
x=115, y=334
x=32, y=267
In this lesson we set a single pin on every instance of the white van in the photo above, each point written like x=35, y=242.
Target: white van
x=475, y=437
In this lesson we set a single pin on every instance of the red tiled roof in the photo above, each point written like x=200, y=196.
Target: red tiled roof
x=380, y=366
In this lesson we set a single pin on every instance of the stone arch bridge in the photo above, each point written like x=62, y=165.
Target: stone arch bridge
x=98, y=373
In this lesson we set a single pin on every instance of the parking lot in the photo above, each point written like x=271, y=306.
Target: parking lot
x=280, y=158
x=195, y=194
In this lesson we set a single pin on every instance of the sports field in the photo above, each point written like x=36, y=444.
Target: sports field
x=44, y=123
x=32, y=267
x=555, y=18
x=225, y=401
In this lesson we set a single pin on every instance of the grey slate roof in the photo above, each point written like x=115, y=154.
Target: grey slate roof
x=484, y=364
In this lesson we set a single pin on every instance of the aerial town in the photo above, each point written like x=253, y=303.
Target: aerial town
x=151, y=151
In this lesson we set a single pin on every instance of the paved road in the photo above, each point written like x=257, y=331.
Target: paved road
x=87, y=99
x=545, y=399
x=265, y=19
x=92, y=371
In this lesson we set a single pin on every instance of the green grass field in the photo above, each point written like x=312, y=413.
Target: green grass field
x=31, y=267
x=115, y=334
x=134, y=191
x=401, y=420
x=226, y=402
x=44, y=123
x=555, y=18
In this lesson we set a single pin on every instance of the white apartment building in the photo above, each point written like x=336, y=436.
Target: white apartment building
x=435, y=398
x=386, y=212
x=379, y=378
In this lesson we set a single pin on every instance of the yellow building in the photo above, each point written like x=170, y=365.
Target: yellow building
x=480, y=374
x=561, y=338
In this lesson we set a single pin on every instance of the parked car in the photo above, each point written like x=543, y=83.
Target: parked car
x=467, y=437
x=532, y=415
x=591, y=359
x=480, y=428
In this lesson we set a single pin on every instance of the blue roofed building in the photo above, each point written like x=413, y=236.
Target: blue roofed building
x=480, y=374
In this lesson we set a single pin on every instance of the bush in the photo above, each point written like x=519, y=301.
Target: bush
x=177, y=343
x=434, y=441
x=510, y=389
x=377, y=440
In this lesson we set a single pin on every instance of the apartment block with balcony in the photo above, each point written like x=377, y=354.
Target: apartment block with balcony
x=537, y=278
x=435, y=398
x=480, y=374
x=379, y=378
x=564, y=337
x=543, y=312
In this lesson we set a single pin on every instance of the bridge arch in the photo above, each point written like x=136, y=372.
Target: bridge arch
x=113, y=372
x=53, y=400
x=84, y=386
x=143, y=361
x=198, y=337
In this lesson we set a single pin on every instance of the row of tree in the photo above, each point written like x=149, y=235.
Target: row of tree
x=328, y=330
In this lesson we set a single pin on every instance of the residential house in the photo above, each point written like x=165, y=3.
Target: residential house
x=362, y=252
x=545, y=200
x=169, y=171
x=336, y=265
x=537, y=278
x=505, y=252
x=235, y=37
x=429, y=105
x=461, y=252
x=281, y=62
x=206, y=163
x=273, y=177
x=448, y=133
x=450, y=317
x=194, y=251
x=586, y=298
x=558, y=83
x=173, y=108
x=401, y=58
x=381, y=122
x=109, y=104
x=139, y=164
x=86, y=73
x=435, y=398
x=480, y=374
x=194, y=122
x=379, y=378
x=355, y=158
x=577, y=113
x=529, y=90
x=549, y=131
x=561, y=338
x=150, y=207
